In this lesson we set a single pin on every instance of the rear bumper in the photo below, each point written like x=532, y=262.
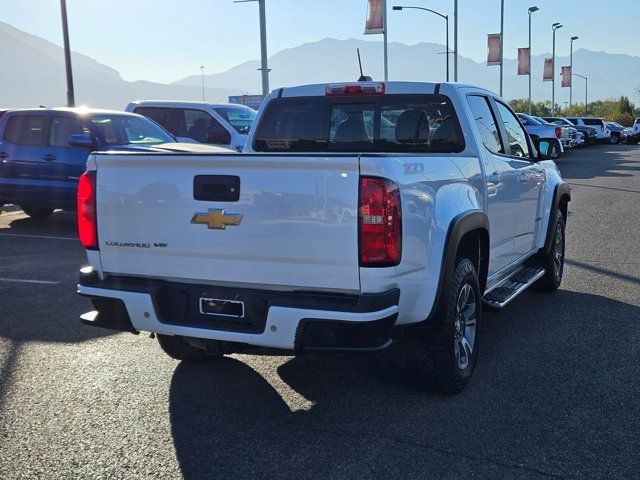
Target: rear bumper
x=297, y=322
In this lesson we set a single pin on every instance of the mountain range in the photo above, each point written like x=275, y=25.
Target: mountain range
x=34, y=73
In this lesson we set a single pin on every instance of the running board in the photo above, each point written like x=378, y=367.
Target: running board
x=517, y=283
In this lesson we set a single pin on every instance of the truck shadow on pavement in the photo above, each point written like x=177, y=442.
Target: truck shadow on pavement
x=600, y=161
x=545, y=368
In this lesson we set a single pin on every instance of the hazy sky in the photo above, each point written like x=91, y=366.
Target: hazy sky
x=165, y=40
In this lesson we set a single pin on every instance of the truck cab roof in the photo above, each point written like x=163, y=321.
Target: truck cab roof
x=390, y=88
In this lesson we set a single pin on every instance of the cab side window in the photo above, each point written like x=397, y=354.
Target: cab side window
x=62, y=128
x=515, y=133
x=27, y=130
x=486, y=123
x=162, y=116
x=202, y=127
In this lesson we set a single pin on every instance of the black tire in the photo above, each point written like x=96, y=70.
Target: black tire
x=179, y=349
x=434, y=360
x=553, y=262
x=614, y=139
x=37, y=212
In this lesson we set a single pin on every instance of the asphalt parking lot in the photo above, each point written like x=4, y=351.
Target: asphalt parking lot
x=555, y=394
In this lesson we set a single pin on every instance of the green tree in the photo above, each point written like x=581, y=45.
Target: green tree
x=538, y=109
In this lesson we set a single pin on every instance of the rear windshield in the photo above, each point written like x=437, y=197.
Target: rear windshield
x=592, y=121
x=386, y=123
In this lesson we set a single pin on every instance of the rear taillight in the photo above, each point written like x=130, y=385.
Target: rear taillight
x=558, y=132
x=360, y=88
x=87, y=226
x=379, y=223
x=602, y=128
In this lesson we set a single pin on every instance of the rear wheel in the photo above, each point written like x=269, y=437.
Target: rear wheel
x=553, y=261
x=445, y=356
x=615, y=139
x=179, y=349
x=37, y=212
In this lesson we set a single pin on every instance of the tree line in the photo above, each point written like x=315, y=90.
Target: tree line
x=620, y=110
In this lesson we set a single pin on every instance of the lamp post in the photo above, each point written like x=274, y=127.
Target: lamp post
x=455, y=40
x=574, y=38
x=531, y=10
x=264, y=68
x=501, y=44
x=586, y=92
x=554, y=27
x=446, y=19
x=202, y=77
x=71, y=101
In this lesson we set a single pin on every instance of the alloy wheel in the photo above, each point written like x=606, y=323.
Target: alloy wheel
x=558, y=251
x=465, y=326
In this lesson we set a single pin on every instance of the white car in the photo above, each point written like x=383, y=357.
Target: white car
x=603, y=135
x=220, y=124
x=327, y=236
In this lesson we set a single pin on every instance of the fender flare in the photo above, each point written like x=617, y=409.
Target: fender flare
x=458, y=228
x=561, y=190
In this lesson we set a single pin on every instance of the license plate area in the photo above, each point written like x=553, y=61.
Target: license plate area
x=221, y=307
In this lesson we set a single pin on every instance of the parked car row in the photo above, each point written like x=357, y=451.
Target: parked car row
x=582, y=131
x=43, y=151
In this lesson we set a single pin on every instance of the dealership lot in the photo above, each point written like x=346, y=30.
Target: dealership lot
x=555, y=393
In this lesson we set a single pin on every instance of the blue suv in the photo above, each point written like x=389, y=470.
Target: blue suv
x=44, y=151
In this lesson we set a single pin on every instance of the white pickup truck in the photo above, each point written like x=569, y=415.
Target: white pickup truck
x=358, y=210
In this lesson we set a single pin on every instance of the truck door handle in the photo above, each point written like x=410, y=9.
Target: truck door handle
x=48, y=157
x=4, y=155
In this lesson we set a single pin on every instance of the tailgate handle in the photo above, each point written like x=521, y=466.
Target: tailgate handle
x=216, y=188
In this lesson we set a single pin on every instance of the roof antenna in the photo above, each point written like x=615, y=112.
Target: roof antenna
x=363, y=77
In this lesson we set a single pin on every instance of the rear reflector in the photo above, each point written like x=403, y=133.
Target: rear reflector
x=87, y=226
x=360, y=88
x=379, y=221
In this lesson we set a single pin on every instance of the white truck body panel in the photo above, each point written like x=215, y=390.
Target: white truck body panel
x=299, y=229
x=300, y=226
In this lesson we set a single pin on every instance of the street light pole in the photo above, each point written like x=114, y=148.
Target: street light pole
x=264, y=67
x=455, y=40
x=501, y=44
x=531, y=10
x=446, y=19
x=71, y=101
x=385, y=40
x=586, y=92
x=571, y=68
x=554, y=27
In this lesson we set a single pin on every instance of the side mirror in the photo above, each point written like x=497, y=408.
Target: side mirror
x=82, y=140
x=548, y=148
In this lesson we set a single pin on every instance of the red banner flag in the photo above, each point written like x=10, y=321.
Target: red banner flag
x=375, y=17
x=566, y=76
x=493, y=47
x=523, y=61
x=547, y=76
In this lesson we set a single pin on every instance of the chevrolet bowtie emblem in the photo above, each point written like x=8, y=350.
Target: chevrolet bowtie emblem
x=215, y=218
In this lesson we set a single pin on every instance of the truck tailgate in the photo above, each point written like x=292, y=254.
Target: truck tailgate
x=294, y=223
